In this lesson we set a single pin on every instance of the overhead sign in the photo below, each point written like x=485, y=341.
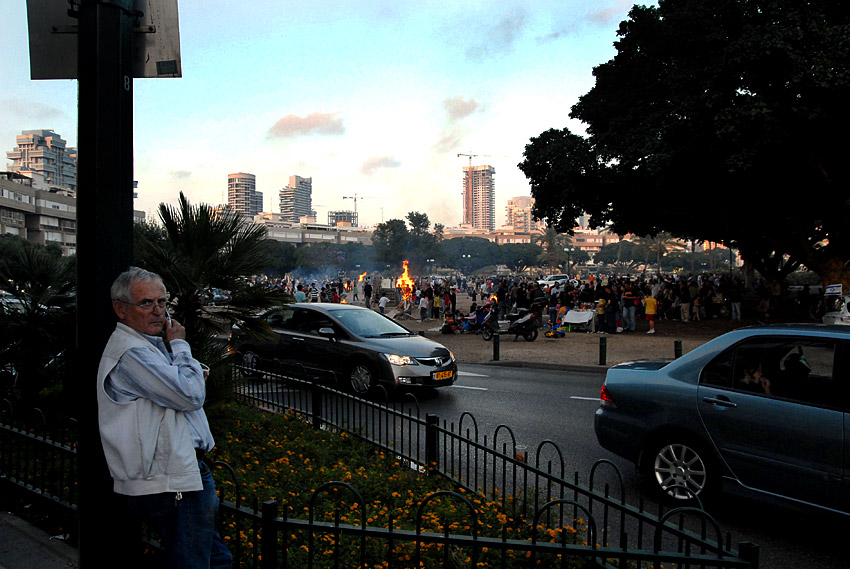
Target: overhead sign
x=53, y=39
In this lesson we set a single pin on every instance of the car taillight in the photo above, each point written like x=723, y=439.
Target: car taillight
x=605, y=395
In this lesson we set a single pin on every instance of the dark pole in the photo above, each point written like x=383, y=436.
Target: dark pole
x=104, y=249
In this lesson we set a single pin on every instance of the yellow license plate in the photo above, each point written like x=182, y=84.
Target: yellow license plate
x=438, y=375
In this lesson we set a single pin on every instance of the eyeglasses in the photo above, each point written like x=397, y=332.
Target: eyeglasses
x=148, y=304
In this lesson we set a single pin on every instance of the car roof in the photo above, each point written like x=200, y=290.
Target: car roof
x=799, y=327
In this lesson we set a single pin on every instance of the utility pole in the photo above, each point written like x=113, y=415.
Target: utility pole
x=104, y=249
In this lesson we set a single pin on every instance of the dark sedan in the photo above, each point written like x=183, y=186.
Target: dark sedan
x=353, y=346
x=763, y=411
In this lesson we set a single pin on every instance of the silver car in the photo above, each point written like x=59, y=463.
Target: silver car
x=352, y=346
x=763, y=411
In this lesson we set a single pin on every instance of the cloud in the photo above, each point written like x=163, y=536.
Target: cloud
x=449, y=140
x=501, y=37
x=31, y=110
x=314, y=123
x=180, y=174
x=602, y=16
x=459, y=107
x=369, y=166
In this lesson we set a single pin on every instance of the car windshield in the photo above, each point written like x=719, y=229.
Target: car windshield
x=369, y=324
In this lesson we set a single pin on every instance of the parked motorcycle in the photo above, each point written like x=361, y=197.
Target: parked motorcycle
x=524, y=323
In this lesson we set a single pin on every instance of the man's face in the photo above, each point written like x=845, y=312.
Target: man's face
x=150, y=322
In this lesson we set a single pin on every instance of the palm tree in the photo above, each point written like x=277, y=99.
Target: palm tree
x=39, y=326
x=662, y=243
x=553, y=244
x=204, y=248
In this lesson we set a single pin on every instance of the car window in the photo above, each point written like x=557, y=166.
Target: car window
x=310, y=321
x=369, y=324
x=799, y=369
x=280, y=317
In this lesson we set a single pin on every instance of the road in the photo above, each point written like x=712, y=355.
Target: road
x=543, y=405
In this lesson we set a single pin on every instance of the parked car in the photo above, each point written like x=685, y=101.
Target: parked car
x=355, y=346
x=762, y=411
x=552, y=279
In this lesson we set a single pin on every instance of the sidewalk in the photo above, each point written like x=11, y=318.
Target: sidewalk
x=23, y=546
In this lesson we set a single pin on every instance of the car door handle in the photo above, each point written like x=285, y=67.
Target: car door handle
x=297, y=339
x=719, y=401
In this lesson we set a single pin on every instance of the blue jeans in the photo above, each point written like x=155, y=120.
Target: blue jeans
x=629, y=318
x=186, y=526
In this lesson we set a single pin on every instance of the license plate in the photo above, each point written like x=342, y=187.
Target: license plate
x=439, y=375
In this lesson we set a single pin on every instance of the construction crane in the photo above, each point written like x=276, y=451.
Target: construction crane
x=355, y=198
x=459, y=154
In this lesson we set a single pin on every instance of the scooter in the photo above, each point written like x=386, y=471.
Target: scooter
x=524, y=323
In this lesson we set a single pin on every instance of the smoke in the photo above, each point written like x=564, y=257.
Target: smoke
x=376, y=163
x=314, y=123
x=500, y=37
x=459, y=107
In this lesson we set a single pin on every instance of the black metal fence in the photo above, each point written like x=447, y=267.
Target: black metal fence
x=528, y=485
x=41, y=462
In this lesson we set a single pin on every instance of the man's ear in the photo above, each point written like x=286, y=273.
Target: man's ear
x=120, y=309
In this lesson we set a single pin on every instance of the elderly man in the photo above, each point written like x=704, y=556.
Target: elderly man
x=150, y=393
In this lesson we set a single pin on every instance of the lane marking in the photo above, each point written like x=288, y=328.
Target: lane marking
x=584, y=398
x=470, y=374
x=468, y=387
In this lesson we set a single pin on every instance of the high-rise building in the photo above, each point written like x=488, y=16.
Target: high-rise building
x=44, y=153
x=479, y=197
x=296, y=199
x=519, y=214
x=242, y=194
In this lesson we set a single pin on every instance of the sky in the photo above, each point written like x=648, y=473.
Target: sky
x=373, y=99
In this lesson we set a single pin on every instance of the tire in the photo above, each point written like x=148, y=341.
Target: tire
x=362, y=379
x=674, y=466
x=530, y=335
x=487, y=333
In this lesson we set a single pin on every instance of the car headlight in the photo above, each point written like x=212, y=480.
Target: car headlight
x=398, y=360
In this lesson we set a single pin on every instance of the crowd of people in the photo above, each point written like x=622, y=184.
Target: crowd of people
x=618, y=302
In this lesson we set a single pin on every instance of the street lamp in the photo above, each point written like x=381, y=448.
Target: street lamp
x=568, y=251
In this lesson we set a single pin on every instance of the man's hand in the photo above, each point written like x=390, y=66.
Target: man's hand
x=173, y=331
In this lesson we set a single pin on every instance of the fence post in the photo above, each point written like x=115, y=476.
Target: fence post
x=317, y=407
x=269, y=535
x=677, y=349
x=749, y=551
x=432, y=454
x=603, y=351
x=496, y=341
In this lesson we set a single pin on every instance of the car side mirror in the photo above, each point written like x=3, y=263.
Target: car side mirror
x=327, y=332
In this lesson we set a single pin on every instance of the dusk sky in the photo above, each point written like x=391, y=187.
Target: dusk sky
x=371, y=98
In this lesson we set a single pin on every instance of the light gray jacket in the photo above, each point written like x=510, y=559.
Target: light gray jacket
x=148, y=447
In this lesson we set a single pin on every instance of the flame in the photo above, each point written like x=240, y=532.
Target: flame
x=406, y=284
x=360, y=280
x=343, y=301
x=494, y=299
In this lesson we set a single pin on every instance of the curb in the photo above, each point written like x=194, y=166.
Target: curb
x=580, y=368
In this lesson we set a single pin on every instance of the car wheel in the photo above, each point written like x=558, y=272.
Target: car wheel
x=362, y=378
x=487, y=333
x=679, y=470
x=530, y=336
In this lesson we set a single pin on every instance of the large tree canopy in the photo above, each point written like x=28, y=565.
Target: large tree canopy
x=723, y=121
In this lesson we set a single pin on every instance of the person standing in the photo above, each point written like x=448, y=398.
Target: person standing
x=650, y=306
x=630, y=300
x=300, y=295
x=150, y=395
x=685, y=301
x=367, y=294
x=382, y=304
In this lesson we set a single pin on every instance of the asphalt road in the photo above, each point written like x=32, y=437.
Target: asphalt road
x=558, y=406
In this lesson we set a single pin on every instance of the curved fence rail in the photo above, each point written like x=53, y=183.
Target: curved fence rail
x=592, y=524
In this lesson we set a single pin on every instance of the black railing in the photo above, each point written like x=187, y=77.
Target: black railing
x=535, y=488
x=499, y=470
